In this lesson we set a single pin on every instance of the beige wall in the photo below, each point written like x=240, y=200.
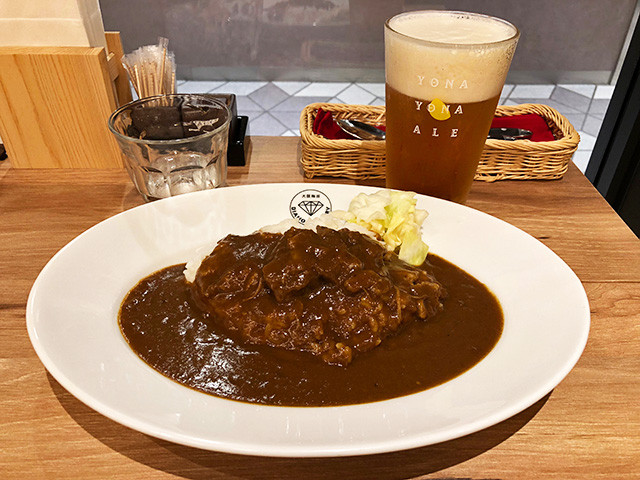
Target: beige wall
x=562, y=40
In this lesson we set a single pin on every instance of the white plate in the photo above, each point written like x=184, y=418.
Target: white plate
x=72, y=322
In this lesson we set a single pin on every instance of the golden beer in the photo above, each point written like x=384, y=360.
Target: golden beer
x=444, y=74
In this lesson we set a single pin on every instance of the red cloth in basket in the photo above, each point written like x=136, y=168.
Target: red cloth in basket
x=325, y=125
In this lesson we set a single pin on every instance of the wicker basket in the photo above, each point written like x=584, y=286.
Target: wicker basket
x=357, y=159
x=524, y=159
x=501, y=159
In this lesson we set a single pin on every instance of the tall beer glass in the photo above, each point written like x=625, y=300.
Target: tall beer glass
x=444, y=74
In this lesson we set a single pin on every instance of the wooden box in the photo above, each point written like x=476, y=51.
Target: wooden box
x=55, y=104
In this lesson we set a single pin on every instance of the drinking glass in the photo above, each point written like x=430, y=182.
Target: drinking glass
x=173, y=144
x=444, y=74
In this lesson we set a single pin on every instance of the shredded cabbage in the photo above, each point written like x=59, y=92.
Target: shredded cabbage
x=394, y=217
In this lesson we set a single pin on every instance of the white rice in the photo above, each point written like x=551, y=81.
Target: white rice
x=191, y=268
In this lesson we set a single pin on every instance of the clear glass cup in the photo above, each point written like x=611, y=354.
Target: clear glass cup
x=444, y=74
x=173, y=144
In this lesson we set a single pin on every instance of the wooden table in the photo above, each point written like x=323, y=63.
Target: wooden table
x=587, y=427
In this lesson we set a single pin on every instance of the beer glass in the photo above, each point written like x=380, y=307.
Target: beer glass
x=444, y=74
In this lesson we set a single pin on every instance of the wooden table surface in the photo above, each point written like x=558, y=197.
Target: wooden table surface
x=587, y=427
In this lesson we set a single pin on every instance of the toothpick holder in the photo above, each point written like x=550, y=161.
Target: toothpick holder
x=56, y=102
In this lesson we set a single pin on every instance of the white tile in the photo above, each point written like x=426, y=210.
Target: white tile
x=587, y=142
x=266, y=124
x=378, y=101
x=506, y=90
x=356, y=95
x=599, y=106
x=604, y=92
x=577, y=120
x=320, y=89
x=240, y=88
x=297, y=104
x=291, y=87
x=581, y=159
x=335, y=100
x=378, y=89
x=198, y=86
x=532, y=91
x=245, y=105
x=592, y=125
x=291, y=133
x=561, y=107
x=290, y=119
x=269, y=96
x=585, y=90
x=573, y=100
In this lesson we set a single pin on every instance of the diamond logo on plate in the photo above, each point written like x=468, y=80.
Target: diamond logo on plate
x=308, y=204
x=310, y=207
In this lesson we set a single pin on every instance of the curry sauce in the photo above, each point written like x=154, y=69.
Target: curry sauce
x=168, y=329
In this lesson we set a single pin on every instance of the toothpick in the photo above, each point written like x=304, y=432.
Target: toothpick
x=162, y=75
x=151, y=69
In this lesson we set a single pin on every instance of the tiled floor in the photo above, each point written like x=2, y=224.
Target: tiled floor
x=274, y=108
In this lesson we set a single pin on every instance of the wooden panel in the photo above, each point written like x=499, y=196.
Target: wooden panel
x=123, y=90
x=54, y=108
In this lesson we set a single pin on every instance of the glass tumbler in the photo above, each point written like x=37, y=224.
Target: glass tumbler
x=173, y=144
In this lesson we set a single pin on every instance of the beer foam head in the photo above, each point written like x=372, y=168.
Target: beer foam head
x=456, y=57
